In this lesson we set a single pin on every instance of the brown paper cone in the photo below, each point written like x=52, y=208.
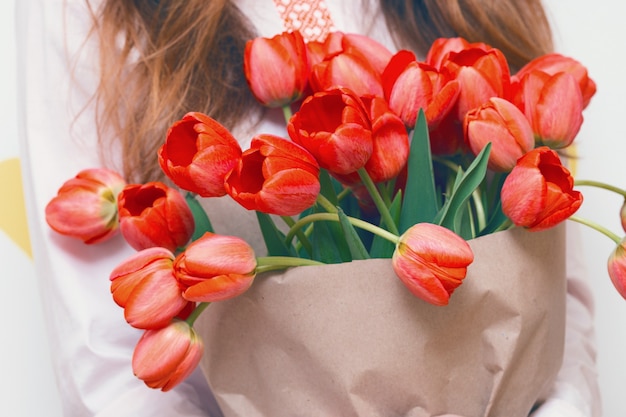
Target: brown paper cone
x=350, y=340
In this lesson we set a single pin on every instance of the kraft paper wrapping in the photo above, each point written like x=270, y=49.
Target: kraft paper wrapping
x=350, y=340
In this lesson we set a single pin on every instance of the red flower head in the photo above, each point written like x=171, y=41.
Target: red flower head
x=215, y=268
x=410, y=86
x=553, y=104
x=617, y=268
x=85, y=206
x=335, y=127
x=275, y=176
x=431, y=261
x=276, y=68
x=500, y=122
x=442, y=47
x=145, y=287
x=538, y=193
x=154, y=214
x=554, y=63
x=165, y=357
x=198, y=153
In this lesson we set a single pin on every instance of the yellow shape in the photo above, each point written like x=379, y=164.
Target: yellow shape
x=12, y=208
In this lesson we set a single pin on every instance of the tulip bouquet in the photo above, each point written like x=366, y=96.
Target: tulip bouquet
x=384, y=156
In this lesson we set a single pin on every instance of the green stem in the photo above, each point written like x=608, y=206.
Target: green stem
x=602, y=185
x=287, y=112
x=284, y=261
x=392, y=237
x=303, y=240
x=597, y=227
x=326, y=204
x=378, y=201
x=196, y=313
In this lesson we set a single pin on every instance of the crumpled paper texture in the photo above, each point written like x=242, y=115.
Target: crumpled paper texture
x=350, y=340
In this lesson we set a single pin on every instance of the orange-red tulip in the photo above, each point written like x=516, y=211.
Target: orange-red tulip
x=538, y=193
x=215, y=267
x=500, y=122
x=441, y=48
x=275, y=176
x=276, y=68
x=145, y=287
x=617, y=268
x=554, y=63
x=431, y=261
x=85, y=206
x=198, y=153
x=334, y=127
x=163, y=358
x=553, y=104
x=154, y=214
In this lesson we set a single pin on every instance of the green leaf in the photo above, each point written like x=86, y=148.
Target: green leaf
x=356, y=246
x=451, y=214
x=381, y=247
x=327, y=187
x=421, y=203
x=326, y=247
x=273, y=237
x=200, y=218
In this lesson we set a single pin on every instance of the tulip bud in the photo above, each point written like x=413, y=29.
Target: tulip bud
x=85, y=206
x=276, y=68
x=165, y=357
x=275, y=176
x=431, y=261
x=198, y=153
x=334, y=127
x=538, y=193
x=622, y=215
x=500, y=122
x=145, y=287
x=617, y=268
x=215, y=268
x=154, y=214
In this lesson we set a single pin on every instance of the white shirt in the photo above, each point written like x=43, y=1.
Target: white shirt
x=91, y=343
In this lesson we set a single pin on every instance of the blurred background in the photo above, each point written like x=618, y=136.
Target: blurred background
x=596, y=37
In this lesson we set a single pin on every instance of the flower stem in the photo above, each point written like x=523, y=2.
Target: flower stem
x=326, y=204
x=287, y=112
x=284, y=261
x=196, y=313
x=378, y=201
x=597, y=227
x=602, y=185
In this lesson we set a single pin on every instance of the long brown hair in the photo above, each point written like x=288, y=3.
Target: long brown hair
x=162, y=58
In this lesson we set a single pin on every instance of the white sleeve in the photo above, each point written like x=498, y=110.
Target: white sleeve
x=575, y=392
x=91, y=344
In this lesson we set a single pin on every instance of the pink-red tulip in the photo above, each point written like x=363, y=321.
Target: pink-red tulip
x=500, y=122
x=276, y=68
x=85, y=206
x=145, y=287
x=165, y=357
x=538, y=193
x=154, y=214
x=275, y=176
x=554, y=63
x=410, y=85
x=215, y=267
x=553, y=105
x=334, y=127
x=198, y=153
x=441, y=48
x=617, y=268
x=431, y=261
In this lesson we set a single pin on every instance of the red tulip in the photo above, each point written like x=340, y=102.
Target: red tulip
x=85, y=206
x=553, y=104
x=554, y=63
x=410, y=86
x=431, y=261
x=198, y=153
x=145, y=287
x=441, y=48
x=154, y=214
x=538, y=192
x=334, y=126
x=276, y=68
x=275, y=176
x=215, y=268
x=500, y=122
x=163, y=358
x=617, y=268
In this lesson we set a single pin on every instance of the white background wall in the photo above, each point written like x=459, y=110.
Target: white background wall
x=594, y=34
